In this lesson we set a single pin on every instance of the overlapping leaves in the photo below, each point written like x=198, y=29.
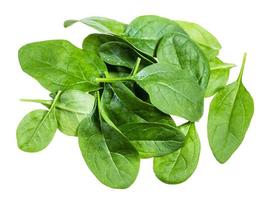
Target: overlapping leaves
x=118, y=92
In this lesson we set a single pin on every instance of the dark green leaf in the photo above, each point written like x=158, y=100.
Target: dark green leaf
x=124, y=107
x=102, y=24
x=121, y=54
x=153, y=139
x=59, y=65
x=178, y=166
x=178, y=49
x=172, y=90
x=108, y=154
x=230, y=114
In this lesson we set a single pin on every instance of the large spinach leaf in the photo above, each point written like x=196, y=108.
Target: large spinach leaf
x=178, y=49
x=178, y=166
x=59, y=65
x=108, y=154
x=172, y=90
x=230, y=114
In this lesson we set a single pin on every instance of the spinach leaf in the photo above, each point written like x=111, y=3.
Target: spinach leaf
x=124, y=107
x=172, y=90
x=153, y=139
x=229, y=117
x=59, y=65
x=121, y=54
x=178, y=166
x=37, y=129
x=108, y=154
x=73, y=106
x=178, y=49
x=219, y=75
x=93, y=41
x=102, y=24
x=205, y=40
x=144, y=32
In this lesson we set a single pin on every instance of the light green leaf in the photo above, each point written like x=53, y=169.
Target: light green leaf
x=36, y=130
x=219, y=75
x=102, y=24
x=230, y=114
x=205, y=40
x=178, y=166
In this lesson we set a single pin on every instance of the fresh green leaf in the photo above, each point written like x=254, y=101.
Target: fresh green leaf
x=36, y=130
x=59, y=65
x=73, y=106
x=102, y=24
x=153, y=139
x=108, y=154
x=144, y=32
x=178, y=166
x=230, y=114
x=121, y=54
x=219, y=75
x=172, y=90
x=124, y=107
x=205, y=40
x=178, y=49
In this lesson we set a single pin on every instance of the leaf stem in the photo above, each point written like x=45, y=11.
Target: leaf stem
x=44, y=102
x=135, y=69
x=55, y=101
x=242, y=68
x=113, y=79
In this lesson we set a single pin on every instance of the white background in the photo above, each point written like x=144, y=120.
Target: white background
x=59, y=171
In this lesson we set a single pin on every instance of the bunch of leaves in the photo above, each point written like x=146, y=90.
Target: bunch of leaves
x=117, y=94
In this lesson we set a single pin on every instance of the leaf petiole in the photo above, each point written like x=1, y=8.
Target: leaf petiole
x=113, y=79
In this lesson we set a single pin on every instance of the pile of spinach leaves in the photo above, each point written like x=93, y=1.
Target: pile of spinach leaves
x=117, y=94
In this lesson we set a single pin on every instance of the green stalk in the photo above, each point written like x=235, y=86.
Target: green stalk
x=113, y=79
x=242, y=68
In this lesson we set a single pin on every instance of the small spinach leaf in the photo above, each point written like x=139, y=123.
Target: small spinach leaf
x=178, y=166
x=102, y=24
x=108, y=154
x=229, y=117
x=178, y=49
x=153, y=139
x=73, y=106
x=37, y=129
x=219, y=75
x=172, y=90
x=205, y=40
x=121, y=54
x=59, y=65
